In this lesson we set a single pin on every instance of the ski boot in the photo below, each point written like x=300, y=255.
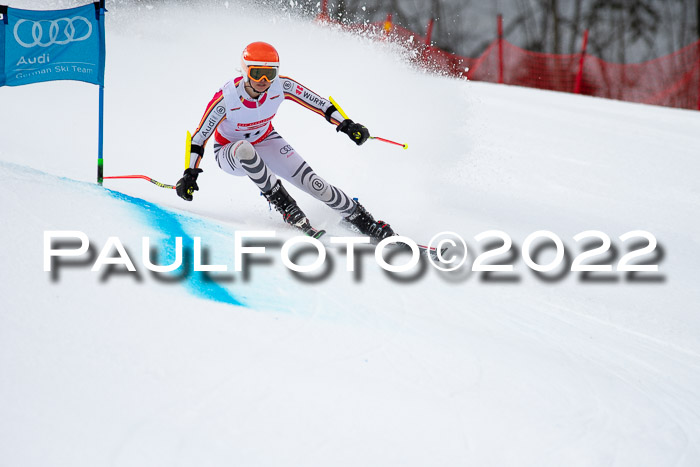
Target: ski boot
x=291, y=213
x=363, y=222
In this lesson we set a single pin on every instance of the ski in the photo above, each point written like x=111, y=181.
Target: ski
x=426, y=250
x=433, y=252
x=312, y=232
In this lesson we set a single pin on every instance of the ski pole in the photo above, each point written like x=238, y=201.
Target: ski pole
x=188, y=145
x=188, y=149
x=405, y=146
x=345, y=116
x=155, y=182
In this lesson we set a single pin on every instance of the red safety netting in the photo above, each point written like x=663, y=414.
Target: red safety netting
x=672, y=80
x=524, y=68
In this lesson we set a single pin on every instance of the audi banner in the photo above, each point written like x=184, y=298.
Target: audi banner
x=52, y=45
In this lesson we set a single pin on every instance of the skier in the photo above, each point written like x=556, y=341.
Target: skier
x=246, y=144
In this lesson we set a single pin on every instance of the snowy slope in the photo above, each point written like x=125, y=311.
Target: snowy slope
x=117, y=368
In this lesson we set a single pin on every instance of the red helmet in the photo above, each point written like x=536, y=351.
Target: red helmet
x=259, y=61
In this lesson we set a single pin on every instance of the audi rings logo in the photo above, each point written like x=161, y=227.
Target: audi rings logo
x=44, y=33
x=286, y=149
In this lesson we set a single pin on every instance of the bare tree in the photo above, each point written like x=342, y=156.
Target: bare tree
x=620, y=30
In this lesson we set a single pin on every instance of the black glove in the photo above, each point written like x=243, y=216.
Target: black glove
x=358, y=133
x=188, y=184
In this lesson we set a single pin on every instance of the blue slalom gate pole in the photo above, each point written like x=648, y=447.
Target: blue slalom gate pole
x=100, y=139
x=100, y=7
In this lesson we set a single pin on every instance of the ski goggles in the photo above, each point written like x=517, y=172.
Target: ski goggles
x=258, y=73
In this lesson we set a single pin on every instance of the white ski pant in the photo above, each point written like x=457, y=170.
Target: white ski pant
x=274, y=157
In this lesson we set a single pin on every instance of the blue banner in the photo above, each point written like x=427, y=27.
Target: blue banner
x=52, y=45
